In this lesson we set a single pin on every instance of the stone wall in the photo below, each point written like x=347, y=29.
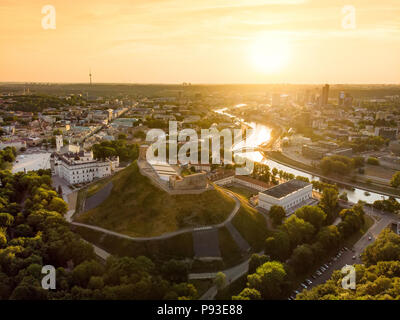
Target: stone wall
x=190, y=182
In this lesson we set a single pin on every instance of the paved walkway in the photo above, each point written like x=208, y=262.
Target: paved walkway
x=206, y=243
x=98, y=198
x=98, y=251
x=232, y=274
x=237, y=237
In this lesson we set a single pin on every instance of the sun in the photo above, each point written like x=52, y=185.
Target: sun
x=269, y=53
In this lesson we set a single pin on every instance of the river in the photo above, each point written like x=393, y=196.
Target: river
x=262, y=134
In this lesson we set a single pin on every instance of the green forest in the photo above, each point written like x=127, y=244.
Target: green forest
x=34, y=233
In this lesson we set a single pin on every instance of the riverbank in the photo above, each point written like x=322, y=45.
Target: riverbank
x=283, y=160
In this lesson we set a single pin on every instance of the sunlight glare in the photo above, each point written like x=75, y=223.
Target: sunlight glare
x=269, y=53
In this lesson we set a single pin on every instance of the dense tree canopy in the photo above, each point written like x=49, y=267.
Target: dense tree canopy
x=33, y=233
x=277, y=214
x=121, y=148
x=270, y=281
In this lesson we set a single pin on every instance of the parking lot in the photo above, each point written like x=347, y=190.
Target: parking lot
x=343, y=257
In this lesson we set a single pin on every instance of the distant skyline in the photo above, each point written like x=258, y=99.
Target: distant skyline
x=201, y=42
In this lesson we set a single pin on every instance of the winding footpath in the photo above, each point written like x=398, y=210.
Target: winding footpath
x=165, y=235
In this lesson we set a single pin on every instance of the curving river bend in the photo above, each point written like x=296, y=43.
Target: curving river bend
x=262, y=134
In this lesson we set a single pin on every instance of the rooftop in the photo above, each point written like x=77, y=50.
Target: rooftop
x=286, y=188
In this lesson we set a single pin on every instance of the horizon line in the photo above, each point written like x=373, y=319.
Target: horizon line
x=196, y=84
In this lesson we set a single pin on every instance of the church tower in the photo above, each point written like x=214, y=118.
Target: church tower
x=59, y=142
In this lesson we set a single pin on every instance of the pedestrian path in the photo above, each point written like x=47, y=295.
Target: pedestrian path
x=206, y=244
x=240, y=241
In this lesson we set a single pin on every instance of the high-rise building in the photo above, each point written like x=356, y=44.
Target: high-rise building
x=341, y=98
x=276, y=99
x=348, y=100
x=325, y=95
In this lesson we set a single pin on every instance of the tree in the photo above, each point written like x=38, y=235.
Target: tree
x=358, y=162
x=329, y=237
x=175, y=270
x=139, y=135
x=302, y=258
x=313, y=215
x=329, y=202
x=375, y=282
x=278, y=245
x=277, y=214
x=257, y=260
x=352, y=220
x=85, y=271
x=248, y=294
x=270, y=280
x=3, y=238
x=385, y=248
x=395, y=181
x=57, y=132
x=59, y=205
x=220, y=280
x=299, y=231
x=336, y=165
x=6, y=219
x=343, y=196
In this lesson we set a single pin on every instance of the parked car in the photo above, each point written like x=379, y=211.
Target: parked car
x=326, y=266
x=354, y=257
x=309, y=281
x=369, y=238
x=304, y=286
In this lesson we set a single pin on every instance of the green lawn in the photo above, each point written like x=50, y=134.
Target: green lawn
x=137, y=208
x=178, y=247
x=251, y=225
x=243, y=191
x=229, y=250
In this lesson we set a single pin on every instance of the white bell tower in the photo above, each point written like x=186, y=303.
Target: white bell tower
x=59, y=142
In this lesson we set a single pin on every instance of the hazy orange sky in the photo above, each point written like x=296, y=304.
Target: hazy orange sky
x=174, y=41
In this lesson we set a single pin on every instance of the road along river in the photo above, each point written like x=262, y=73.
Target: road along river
x=262, y=134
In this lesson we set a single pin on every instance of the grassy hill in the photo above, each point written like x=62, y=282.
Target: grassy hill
x=137, y=208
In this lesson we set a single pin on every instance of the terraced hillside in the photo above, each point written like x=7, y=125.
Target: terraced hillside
x=135, y=207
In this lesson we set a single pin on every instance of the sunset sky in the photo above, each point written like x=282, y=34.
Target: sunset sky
x=204, y=41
